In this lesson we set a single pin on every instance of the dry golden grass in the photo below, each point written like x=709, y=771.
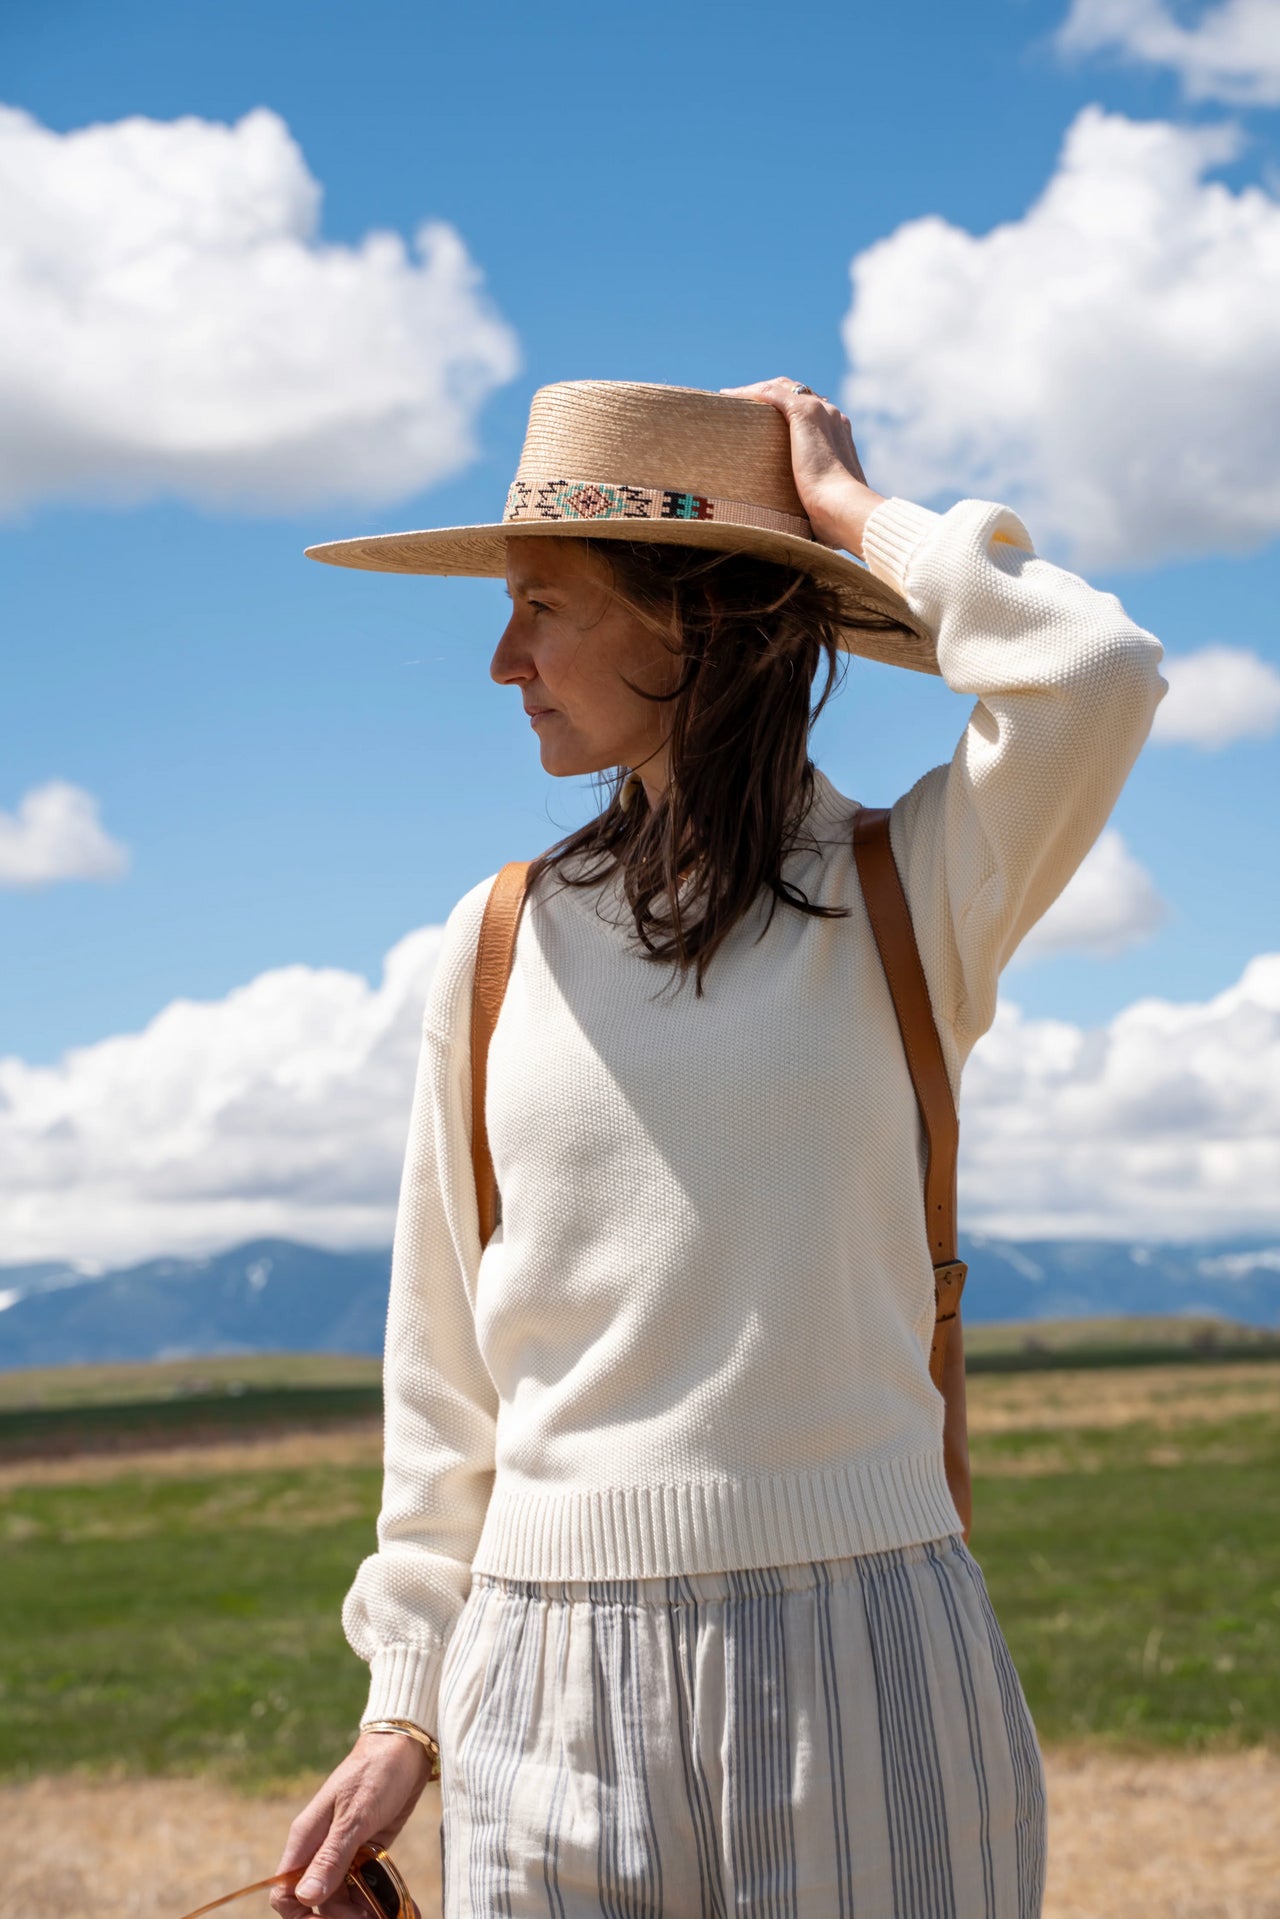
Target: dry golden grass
x=154, y=1849
x=1162, y=1398
x=1105, y=1398
x=358, y=1444
x=1166, y=1414
x=1164, y=1838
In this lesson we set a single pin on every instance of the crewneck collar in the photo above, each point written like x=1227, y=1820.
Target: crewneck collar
x=827, y=820
x=829, y=811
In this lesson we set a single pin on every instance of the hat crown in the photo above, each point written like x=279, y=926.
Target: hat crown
x=629, y=433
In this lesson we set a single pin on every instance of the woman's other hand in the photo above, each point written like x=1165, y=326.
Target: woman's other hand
x=368, y=1797
x=829, y=478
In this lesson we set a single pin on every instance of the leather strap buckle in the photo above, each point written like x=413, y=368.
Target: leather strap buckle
x=949, y=1276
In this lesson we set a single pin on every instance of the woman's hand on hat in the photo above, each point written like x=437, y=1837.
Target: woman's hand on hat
x=828, y=473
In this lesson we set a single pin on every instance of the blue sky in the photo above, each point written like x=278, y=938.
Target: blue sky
x=305, y=766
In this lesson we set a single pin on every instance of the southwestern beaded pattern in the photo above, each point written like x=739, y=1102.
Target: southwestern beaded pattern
x=614, y=500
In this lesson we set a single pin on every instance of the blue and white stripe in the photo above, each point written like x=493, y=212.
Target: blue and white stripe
x=846, y=1739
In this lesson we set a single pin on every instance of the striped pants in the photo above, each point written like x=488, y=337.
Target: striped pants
x=847, y=1737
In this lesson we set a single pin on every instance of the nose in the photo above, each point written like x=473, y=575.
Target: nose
x=510, y=664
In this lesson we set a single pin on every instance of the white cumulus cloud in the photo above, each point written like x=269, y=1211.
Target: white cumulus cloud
x=1216, y=696
x=174, y=325
x=1230, y=52
x=1164, y=1124
x=56, y=834
x=281, y=1109
x=1110, y=904
x=1109, y=363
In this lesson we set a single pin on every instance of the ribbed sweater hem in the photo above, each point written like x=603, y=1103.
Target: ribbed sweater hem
x=718, y=1525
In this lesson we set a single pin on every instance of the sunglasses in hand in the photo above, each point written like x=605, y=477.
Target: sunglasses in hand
x=373, y=1885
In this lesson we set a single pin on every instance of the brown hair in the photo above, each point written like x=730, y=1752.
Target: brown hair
x=748, y=637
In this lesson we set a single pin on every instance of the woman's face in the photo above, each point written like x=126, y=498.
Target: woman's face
x=570, y=647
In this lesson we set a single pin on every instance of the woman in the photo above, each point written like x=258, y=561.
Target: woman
x=668, y=1563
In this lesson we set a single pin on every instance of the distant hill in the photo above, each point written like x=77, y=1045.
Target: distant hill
x=273, y=1295
x=1237, y=1279
x=43, y=1277
x=268, y=1295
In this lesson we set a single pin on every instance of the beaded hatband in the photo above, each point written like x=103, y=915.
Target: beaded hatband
x=611, y=500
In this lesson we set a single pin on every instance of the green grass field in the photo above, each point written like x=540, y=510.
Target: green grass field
x=1128, y=1522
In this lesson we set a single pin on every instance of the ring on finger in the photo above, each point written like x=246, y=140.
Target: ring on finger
x=802, y=389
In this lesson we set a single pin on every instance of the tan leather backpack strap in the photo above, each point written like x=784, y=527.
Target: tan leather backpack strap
x=495, y=951
x=890, y=919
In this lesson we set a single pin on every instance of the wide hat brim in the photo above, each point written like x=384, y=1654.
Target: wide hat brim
x=878, y=623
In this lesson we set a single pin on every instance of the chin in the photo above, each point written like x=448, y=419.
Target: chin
x=563, y=763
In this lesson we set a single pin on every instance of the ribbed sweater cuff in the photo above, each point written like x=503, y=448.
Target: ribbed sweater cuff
x=891, y=535
x=404, y=1683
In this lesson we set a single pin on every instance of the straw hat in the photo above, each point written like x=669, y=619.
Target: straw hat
x=615, y=459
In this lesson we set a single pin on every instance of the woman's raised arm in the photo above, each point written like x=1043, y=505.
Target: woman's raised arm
x=1066, y=686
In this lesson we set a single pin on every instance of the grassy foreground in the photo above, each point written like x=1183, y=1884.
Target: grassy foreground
x=1129, y=1529
x=1128, y=1522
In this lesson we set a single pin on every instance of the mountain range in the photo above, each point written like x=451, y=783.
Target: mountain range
x=275, y=1295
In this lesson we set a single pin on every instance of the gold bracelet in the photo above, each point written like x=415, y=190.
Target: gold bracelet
x=411, y=1731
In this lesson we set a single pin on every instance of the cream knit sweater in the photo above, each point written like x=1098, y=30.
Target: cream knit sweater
x=699, y=1337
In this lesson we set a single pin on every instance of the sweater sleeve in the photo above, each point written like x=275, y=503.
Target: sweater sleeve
x=1066, y=688
x=441, y=1405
